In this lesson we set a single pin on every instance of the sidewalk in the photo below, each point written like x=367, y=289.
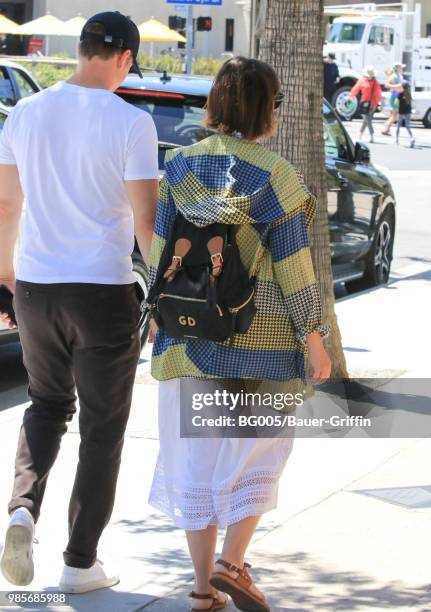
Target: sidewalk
x=327, y=546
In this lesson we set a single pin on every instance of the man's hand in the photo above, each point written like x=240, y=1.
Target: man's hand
x=9, y=283
x=153, y=331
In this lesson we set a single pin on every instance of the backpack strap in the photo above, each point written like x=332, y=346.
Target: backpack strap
x=181, y=248
x=215, y=248
x=163, y=263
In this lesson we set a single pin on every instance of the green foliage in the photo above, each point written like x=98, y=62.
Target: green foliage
x=207, y=65
x=48, y=74
x=174, y=65
x=161, y=62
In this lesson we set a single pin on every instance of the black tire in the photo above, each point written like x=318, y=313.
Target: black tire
x=336, y=103
x=427, y=119
x=141, y=272
x=379, y=258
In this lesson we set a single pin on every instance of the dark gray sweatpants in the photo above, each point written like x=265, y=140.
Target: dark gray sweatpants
x=76, y=338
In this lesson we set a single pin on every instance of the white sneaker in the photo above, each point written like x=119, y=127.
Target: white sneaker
x=17, y=560
x=78, y=580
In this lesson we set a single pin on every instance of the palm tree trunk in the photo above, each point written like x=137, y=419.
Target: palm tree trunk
x=292, y=43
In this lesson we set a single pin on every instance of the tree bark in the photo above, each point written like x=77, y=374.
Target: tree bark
x=292, y=43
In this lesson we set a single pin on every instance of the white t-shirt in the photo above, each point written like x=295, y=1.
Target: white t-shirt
x=75, y=147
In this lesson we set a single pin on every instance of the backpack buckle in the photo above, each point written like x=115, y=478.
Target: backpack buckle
x=217, y=262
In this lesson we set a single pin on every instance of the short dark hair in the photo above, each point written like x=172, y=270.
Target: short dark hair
x=90, y=48
x=242, y=98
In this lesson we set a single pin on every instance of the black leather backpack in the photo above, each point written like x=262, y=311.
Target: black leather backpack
x=202, y=290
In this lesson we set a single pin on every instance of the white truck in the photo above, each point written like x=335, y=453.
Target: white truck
x=377, y=35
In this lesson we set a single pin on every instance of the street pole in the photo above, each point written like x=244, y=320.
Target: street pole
x=189, y=36
x=252, y=22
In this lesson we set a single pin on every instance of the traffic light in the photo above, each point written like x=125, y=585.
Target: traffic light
x=204, y=24
x=177, y=23
x=181, y=45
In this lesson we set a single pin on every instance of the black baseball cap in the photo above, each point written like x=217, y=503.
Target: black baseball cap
x=120, y=32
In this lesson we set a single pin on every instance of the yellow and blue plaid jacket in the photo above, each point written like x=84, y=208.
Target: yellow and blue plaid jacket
x=230, y=180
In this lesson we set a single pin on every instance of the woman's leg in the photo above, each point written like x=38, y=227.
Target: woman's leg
x=202, y=546
x=236, y=541
x=363, y=126
x=399, y=122
x=407, y=123
x=370, y=124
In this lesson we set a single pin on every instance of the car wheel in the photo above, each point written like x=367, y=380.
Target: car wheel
x=427, y=119
x=141, y=273
x=379, y=258
x=346, y=107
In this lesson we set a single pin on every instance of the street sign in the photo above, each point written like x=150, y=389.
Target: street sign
x=197, y=2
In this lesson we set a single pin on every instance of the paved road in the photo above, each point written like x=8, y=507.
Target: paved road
x=409, y=171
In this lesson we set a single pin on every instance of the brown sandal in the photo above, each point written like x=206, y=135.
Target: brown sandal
x=216, y=604
x=238, y=588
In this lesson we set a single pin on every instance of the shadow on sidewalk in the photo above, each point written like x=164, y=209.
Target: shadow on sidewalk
x=312, y=587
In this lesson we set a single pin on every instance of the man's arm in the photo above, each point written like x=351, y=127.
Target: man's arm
x=143, y=195
x=11, y=198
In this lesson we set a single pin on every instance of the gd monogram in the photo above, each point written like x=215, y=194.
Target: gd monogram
x=189, y=321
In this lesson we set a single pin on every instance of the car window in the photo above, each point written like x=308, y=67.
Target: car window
x=25, y=86
x=381, y=35
x=3, y=116
x=178, y=118
x=336, y=144
x=7, y=96
x=346, y=32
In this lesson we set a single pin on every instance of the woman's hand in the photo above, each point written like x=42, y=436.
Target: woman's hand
x=318, y=358
x=153, y=331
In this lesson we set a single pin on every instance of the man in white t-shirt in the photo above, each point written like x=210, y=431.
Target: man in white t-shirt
x=86, y=163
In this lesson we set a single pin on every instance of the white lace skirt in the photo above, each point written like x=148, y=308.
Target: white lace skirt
x=204, y=481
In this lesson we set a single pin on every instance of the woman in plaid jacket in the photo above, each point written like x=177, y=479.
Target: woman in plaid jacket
x=204, y=483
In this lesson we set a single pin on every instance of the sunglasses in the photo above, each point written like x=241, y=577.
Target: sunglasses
x=278, y=99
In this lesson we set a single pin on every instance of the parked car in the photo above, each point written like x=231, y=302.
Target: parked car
x=4, y=112
x=421, y=106
x=15, y=83
x=361, y=202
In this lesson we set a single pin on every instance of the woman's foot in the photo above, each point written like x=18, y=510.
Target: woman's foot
x=252, y=588
x=206, y=603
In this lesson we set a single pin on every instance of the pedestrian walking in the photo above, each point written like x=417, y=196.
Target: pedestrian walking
x=394, y=83
x=331, y=76
x=231, y=179
x=86, y=162
x=405, y=113
x=370, y=91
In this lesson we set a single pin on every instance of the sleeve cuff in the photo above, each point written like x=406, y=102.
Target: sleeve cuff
x=301, y=334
